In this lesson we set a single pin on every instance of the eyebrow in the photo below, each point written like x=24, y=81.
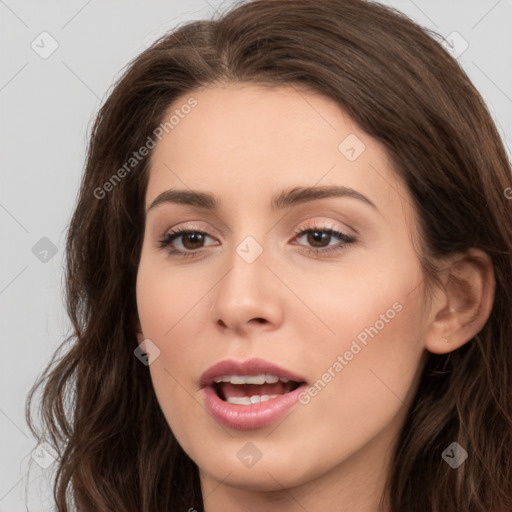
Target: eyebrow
x=284, y=199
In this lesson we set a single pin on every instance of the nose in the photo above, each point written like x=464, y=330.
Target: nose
x=247, y=298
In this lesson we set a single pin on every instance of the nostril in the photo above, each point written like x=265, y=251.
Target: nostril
x=224, y=325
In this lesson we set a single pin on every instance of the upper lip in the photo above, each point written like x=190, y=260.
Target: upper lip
x=252, y=366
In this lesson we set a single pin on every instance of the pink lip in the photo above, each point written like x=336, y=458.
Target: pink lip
x=252, y=416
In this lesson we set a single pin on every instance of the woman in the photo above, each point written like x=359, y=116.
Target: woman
x=288, y=274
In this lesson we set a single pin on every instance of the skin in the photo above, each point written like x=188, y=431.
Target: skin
x=243, y=143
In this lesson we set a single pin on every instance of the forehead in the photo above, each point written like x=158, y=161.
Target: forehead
x=244, y=143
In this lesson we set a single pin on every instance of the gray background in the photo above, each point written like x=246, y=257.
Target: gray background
x=47, y=106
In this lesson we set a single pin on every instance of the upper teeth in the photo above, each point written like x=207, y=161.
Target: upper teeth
x=251, y=379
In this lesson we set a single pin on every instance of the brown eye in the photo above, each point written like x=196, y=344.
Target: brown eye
x=192, y=240
x=319, y=240
x=185, y=242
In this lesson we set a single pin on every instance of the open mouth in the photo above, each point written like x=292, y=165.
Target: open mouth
x=252, y=389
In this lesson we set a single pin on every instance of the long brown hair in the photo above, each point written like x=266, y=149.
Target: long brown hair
x=98, y=407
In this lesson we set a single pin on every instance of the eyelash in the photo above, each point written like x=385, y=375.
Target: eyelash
x=178, y=232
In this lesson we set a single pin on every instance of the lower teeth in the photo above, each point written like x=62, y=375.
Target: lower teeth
x=245, y=400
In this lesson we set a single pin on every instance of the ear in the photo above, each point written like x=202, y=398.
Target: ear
x=464, y=303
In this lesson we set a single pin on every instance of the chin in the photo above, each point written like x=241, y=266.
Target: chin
x=278, y=467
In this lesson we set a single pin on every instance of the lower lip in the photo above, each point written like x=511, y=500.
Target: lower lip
x=245, y=417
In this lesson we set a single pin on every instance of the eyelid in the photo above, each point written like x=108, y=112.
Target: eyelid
x=311, y=224
x=326, y=225
x=192, y=226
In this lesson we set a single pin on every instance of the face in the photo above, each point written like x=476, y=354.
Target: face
x=305, y=270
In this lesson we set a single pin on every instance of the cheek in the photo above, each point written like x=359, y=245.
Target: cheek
x=172, y=315
x=370, y=359
x=166, y=296
x=376, y=303
x=367, y=373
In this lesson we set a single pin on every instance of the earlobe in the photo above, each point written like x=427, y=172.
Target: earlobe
x=462, y=309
